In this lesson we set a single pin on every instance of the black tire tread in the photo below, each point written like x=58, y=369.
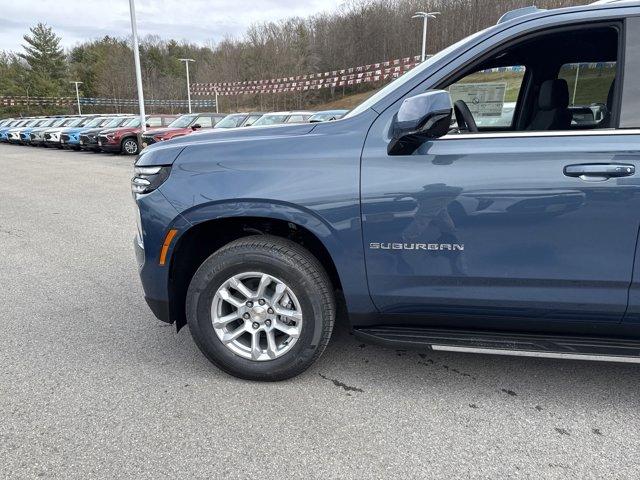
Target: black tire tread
x=309, y=264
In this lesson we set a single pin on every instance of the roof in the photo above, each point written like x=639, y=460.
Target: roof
x=533, y=10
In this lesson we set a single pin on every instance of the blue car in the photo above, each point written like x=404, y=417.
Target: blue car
x=4, y=129
x=70, y=137
x=25, y=133
x=487, y=201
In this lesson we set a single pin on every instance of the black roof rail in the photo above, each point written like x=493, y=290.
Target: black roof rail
x=519, y=13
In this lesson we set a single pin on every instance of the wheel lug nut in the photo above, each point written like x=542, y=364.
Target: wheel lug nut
x=270, y=311
x=249, y=304
x=256, y=325
x=246, y=316
x=268, y=323
x=261, y=301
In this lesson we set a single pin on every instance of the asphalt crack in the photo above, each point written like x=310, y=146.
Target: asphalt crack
x=342, y=385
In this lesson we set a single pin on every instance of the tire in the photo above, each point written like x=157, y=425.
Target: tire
x=283, y=261
x=129, y=146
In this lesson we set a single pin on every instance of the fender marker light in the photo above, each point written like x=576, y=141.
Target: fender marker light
x=165, y=246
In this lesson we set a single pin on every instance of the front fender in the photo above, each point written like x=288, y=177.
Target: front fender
x=342, y=241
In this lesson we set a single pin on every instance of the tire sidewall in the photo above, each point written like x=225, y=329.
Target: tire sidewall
x=219, y=268
x=125, y=141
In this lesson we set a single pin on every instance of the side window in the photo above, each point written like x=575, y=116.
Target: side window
x=589, y=85
x=204, y=122
x=154, y=121
x=491, y=94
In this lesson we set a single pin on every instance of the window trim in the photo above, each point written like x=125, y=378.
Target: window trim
x=617, y=23
x=551, y=133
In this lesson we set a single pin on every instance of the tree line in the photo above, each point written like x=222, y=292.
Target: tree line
x=360, y=32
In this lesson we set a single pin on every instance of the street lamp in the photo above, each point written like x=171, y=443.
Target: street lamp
x=136, y=58
x=425, y=16
x=186, y=64
x=78, y=96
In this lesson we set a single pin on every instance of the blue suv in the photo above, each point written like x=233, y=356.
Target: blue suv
x=483, y=202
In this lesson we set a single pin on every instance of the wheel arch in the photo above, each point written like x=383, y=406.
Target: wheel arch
x=206, y=237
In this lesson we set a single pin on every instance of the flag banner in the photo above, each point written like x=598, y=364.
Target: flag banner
x=8, y=101
x=373, y=72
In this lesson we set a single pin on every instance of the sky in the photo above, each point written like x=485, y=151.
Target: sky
x=197, y=21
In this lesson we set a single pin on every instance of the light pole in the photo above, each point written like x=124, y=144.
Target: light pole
x=186, y=64
x=136, y=57
x=425, y=16
x=78, y=96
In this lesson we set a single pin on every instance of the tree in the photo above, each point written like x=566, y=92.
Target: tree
x=46, y=61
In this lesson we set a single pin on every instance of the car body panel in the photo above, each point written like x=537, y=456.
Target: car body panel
x=311, y=176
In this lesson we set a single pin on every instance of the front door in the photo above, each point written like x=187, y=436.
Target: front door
x=511, y=222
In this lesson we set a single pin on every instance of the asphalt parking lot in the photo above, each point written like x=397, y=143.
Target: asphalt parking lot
x=93, y=386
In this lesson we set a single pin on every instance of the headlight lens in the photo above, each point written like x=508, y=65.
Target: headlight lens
x=147, y=179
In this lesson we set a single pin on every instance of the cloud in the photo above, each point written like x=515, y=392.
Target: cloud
x=197, y=21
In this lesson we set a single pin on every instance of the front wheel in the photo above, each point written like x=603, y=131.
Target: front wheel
x=130, y=146
x=261, y=308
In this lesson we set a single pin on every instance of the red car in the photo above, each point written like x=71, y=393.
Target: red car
x=183, y=125
x=124, y=139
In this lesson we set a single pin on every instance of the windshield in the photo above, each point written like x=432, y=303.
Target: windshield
x=94, y=123
x=182, y=122
x=73, y=123
x=114, y=122
x=58, y=122
x=230, y=121
x=397, y=83
x=271, y=120
x=133, y=123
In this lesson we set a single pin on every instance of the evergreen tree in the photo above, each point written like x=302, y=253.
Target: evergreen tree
x=46, y=61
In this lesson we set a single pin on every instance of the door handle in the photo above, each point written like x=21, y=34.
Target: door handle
x=599, y=171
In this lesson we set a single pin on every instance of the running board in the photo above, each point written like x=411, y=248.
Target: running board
x=493, y=343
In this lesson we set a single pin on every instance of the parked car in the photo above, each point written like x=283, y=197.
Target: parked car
x=13, y=134
x=25, y=133
x=181, y=126
x=235, y=120
x=70, y=137
x=124, y=139
x=4, y=130
x=37, y=134
x=52, y=135
x=89, y=137
x=327, y=115
x=278, y=118
x=511, y=240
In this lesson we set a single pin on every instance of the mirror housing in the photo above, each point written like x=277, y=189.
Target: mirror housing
x=420, y=118
x=196, y=126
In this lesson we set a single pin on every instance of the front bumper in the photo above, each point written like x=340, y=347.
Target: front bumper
x=157, y=217
x=89, y=142
x=106, y=146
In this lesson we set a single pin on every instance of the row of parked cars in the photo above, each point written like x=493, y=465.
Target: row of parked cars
x=122, y=133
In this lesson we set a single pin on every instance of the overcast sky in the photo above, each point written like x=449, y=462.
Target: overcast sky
x=197, y=21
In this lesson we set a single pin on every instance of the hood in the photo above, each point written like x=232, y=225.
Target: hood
x=92, y=130
x=165, y=153
x=162, y=131
x=119, y=130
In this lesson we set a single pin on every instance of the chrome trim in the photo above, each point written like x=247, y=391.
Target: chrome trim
x=526, y=353
x=560, y=133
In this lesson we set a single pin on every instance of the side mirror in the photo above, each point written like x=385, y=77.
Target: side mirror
x=420, y=118
x=196, y=126
x=147, y=125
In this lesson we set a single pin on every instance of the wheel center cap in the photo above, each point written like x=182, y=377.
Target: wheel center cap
x=258, y=314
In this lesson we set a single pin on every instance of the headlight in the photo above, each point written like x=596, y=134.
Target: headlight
x=147, y=179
